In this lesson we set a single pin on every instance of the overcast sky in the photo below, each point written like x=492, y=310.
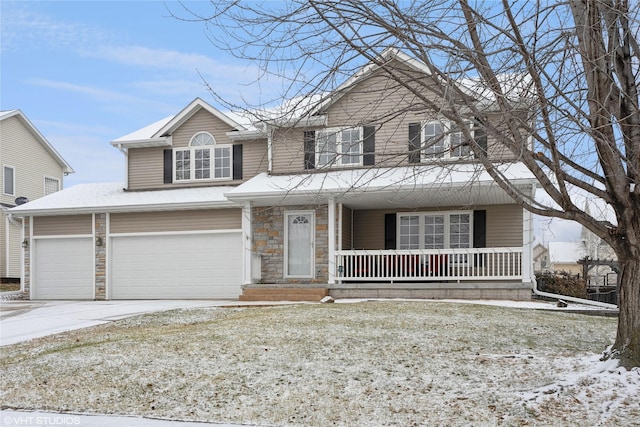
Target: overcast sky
x=88, y=72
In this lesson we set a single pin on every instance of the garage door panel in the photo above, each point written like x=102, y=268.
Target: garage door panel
x=63, y=268
x=176, y=266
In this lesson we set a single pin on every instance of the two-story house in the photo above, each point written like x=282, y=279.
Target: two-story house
x=359, y=196
x=31, y=168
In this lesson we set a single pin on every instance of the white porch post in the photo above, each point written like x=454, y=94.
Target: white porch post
x=527, y=246
x=247, y=259
x=331, y=229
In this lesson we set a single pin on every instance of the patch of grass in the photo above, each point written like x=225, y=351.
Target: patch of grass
x=382, y=363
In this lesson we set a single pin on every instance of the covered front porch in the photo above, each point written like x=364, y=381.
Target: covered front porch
x=419, y=234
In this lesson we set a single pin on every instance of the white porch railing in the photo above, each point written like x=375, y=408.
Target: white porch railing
x=429, y=265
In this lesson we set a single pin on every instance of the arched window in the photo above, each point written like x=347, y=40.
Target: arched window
x=203, y=159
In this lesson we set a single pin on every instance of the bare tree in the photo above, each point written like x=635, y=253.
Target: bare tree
x=575, y=125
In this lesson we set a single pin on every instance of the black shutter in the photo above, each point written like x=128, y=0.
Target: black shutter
x=168, y=166
x=237, y=161
x=414, y=142
x=309, y=149
x=369, y=145
x=390, y=231
x=479, y=234
x=480, y=135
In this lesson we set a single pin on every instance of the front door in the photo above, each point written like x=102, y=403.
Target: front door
x=299, y=256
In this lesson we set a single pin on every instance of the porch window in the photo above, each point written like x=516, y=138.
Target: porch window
x=202, y=160
x=341, y=147
x=442, y=230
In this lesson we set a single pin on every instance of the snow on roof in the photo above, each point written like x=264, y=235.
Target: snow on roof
x=378, y=181
x=146, y=132
x=566, y=252
x=111, y=197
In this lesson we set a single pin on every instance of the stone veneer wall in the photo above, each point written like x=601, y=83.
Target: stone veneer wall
x=26, y=286
x=101, y=256
x=268, y=242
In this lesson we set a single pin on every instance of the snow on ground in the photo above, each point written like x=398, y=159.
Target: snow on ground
x=360, y=364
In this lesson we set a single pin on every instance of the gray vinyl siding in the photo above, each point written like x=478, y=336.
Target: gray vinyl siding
x=346, y=228
x=504, y=226
x=194, y=220
x=375, y=101
x=11, y=234
x=62, y=225
x=31, y=161
x=146, y=165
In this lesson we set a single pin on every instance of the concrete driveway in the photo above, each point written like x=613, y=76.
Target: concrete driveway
x=25, y=320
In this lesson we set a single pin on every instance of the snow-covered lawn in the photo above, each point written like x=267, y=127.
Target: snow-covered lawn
x=369, y=363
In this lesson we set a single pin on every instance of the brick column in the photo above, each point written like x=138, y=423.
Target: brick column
x=100, y=255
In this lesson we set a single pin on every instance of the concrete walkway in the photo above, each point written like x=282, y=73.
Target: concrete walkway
x=25, y=320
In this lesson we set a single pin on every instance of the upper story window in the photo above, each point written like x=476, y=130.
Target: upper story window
x=441, y=139
x=9, y=180
x=341, y=147
x=51, y=185
x=203, y=160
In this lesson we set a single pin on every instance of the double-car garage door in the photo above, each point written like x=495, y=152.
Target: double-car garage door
x=164, y=266
x=182, y=266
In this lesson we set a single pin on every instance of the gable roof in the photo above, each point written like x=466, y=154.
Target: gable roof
x=66, y=168
x=158, y=134
x=515, y=87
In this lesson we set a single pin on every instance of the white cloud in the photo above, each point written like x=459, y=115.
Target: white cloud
x=22, y=26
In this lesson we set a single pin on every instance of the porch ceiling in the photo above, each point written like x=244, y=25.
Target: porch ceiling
x=380, y=188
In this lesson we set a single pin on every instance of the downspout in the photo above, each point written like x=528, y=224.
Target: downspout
x=572, y=299
x=269, y=131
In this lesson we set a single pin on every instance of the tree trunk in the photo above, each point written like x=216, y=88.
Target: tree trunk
x=627, y=345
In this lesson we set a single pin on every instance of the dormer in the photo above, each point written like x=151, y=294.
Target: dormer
x=200, y=146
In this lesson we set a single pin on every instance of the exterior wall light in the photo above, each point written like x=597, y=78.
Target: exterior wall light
x=25, y=243
x=98, y=241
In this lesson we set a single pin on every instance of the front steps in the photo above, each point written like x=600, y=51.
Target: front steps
x=283, y=294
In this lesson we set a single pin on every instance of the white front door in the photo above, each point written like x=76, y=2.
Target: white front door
x=299, y=246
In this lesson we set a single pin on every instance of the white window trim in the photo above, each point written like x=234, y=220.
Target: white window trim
x=192, y=160
x=338, y=161
x=312, y=267
x=447, y=231
x=13, y=170
x=447, y=125
x=44, y=181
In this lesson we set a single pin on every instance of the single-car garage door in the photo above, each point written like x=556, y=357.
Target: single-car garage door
x=63, y=268
x=182, y=266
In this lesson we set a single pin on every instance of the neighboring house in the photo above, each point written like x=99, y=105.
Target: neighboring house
x=564, y=257
x=348, y=200
x=540, y=258
x=31, y=168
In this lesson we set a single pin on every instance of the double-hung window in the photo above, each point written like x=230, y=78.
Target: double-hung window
x=443, y=139
x=203, y=160
x=435, y=230
x=339, y=147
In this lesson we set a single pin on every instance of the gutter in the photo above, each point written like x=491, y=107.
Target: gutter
x=572, y=299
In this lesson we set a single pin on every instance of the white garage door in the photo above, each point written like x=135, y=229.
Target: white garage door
x=183, y=266
x=63, y=268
